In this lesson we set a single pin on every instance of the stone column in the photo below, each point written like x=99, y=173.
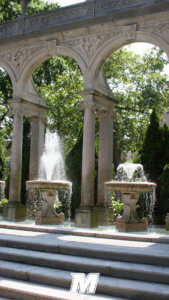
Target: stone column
x=88, y=161
x=37, y=145
x=16, y=159
x=84, y=214
x=15, y=211
x=105, y=153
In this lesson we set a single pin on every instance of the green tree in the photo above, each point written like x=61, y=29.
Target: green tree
x=152, y=151
x=74, y=170
x=59, y=81
x=163, y=207
x=11, y=9
x=139, y=86
x=155, y=159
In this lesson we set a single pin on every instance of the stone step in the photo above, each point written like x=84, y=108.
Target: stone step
x=116, y=250
x=110, y=286
x=23, y=290
x=107, y=234
x=118, y=269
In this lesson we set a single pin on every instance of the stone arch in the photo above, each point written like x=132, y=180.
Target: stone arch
x=117, y=42
x=10, y=72
x=45, y=54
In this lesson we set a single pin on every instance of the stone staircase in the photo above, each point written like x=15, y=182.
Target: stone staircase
x=37, y=264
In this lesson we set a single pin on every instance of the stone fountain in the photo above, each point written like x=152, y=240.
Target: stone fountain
x=51, y=181
x=130, y=181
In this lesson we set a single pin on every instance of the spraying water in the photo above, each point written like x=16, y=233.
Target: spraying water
x=52, y=166
x=51, y=186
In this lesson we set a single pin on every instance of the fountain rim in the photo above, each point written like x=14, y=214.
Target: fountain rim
x=48, y=184
x=132, y=183
x=130, y=187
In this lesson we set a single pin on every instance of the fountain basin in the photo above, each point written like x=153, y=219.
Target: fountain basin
x=130, y=187
x=49, y=191
x=130, y=221
x=48, y=184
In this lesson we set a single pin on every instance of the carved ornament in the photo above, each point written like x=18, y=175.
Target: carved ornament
x=51, y=44
x=129, y=32
x=115, y=4
x=88, y=46
x=18, y=58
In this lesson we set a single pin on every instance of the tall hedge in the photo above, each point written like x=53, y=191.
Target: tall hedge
x=154, y=156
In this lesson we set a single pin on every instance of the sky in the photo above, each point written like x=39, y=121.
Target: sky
x=65, y=2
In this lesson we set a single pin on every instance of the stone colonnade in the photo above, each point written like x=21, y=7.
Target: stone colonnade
x=100, y=105
x=94, y=104
x=15, y=211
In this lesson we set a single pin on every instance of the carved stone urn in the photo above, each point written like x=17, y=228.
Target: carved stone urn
x=130, y=221
x=49, y=192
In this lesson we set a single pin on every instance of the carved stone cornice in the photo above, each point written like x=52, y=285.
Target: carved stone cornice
x=100, y=103
x=26, y=108
x=80, y=15
x=116, y=4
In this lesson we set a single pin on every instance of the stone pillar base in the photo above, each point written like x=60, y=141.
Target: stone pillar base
x=14, y=212
x=90, y=217
x=50, y=220
x=123, y=226
x=167, y=223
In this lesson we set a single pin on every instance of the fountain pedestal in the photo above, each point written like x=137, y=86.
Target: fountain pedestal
x=48, y=215
x=49, y=192
x=129, y=221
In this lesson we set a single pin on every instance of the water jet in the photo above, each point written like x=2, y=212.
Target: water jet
x=51, y=180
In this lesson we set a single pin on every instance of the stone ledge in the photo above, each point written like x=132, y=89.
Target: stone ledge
x=79, y=15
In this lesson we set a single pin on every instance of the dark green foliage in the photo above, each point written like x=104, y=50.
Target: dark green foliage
x=164, y=194
x=25, y=158
x=138, y=85
x=59, y=81
x=5, y=128
x=74, y=169
x=10, y=10
x=154, y=155
x=37, y=6
x=151, y=152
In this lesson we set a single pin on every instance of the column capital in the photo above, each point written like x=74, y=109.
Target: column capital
x=97, y=101
x=38, y=118
x=102, y=113
x=27, y=108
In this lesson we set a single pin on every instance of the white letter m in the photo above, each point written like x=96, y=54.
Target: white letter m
x=84, y=284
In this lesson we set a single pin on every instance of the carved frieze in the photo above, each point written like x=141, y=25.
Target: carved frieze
x=155, y=27
x=115, y=4
x=89, y=45
x=17, y=58
x=58, y=16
